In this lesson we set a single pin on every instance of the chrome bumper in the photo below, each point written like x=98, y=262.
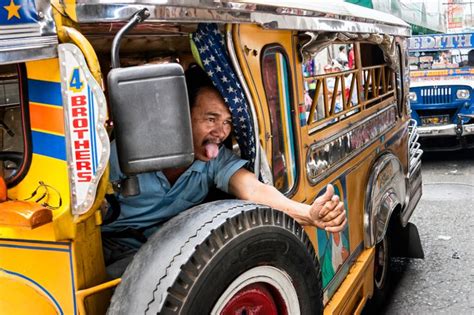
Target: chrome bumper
x=446, y=130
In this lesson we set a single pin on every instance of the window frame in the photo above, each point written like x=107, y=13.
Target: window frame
x=273, y=49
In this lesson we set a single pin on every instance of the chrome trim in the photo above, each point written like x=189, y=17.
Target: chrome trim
x=243, y=83
x=31, y=40
x=322, y=157
x=297, y=15
x=444, y=130
x=413, y=179
x=36, y=48
x=414, y=150
x=386, y=189
x=415, y=191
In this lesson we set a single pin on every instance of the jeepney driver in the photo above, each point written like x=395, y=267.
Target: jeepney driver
x=167, y=193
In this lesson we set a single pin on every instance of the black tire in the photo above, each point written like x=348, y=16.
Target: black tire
x=382, y=276
x=195, y=257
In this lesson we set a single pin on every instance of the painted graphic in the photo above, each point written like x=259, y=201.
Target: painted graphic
x=14, y=12
x=334, y=248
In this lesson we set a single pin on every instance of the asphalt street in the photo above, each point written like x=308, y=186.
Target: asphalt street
x=442, y=283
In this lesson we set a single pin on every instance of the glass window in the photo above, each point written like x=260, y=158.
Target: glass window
x=12, y=124
x=276, y=80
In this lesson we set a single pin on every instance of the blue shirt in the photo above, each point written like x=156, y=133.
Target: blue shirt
x=158, y=201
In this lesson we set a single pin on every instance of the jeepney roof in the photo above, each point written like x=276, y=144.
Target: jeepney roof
x=307, y=15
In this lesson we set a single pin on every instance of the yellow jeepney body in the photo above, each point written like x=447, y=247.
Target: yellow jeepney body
x=51, y=257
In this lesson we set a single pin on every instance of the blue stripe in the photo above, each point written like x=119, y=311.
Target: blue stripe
x=33, y=247
x=49, y=145
x=35, y=242
x=73, y=285
x=37, y=285
x=92, y=129
x=45, y=92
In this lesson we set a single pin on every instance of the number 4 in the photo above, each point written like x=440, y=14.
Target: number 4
x=76, y=83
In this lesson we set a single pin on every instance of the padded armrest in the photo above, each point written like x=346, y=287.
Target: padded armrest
x=24, y=213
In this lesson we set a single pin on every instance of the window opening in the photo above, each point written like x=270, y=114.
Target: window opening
x=12, y=124
x=277, y=84
x=336, y=87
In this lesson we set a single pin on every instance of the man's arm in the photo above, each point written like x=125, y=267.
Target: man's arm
x=327, y=211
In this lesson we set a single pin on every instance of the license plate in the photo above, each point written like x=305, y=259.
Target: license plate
x=435, y=120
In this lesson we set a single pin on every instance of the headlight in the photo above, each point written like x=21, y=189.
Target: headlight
x=462, y=94
x=412, y=96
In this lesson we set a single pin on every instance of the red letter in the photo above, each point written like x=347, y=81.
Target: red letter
x=83, y=165
x=81, y=144
x=79, y=111
x=83, y=155
x=78, y=100
x=80, y=132
x=84, y=176
x=80, y=123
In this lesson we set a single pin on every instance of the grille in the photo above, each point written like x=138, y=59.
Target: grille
x=439, y=95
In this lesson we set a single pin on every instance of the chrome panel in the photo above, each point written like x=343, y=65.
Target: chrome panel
x=35, y=49
x=330, y=154
x=297, y=15
x=386, y=189
x=31, y=38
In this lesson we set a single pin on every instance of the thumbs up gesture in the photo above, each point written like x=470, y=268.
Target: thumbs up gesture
x=327, y=212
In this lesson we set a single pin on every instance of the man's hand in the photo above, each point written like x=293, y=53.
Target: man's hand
x=327, y=212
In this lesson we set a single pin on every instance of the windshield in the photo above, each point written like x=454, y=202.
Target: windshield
x=445, y=59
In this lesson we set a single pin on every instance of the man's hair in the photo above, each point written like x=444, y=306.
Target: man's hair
x=197, y=80
x=341, y=48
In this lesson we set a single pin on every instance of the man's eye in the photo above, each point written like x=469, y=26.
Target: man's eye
x=211, y=119
x=228, y=122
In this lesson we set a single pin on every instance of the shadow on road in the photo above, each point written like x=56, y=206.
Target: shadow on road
x=448, y=155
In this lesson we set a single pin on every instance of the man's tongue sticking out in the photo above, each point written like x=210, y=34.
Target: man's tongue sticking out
x=212, y=150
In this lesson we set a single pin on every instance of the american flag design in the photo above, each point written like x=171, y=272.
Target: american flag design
x=213, y=53
x=13, y=12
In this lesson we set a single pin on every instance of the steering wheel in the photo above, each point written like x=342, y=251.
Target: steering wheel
x=13, y=156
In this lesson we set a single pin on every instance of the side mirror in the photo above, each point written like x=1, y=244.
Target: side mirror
x=152, y=121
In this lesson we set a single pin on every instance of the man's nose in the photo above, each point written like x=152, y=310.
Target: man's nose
x=219, y=131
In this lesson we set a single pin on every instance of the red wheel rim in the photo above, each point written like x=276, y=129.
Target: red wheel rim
x=255, y=299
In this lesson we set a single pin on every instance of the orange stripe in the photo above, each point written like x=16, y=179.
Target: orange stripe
x=47, y=118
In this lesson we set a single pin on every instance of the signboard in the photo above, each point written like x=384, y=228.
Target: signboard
x=441, y=42
x=88, y=146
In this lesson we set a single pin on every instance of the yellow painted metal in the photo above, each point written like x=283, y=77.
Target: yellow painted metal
x=83, y=294
x=357, y=285
x=66, y=8
x=29, y=284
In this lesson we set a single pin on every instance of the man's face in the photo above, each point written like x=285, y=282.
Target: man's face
x=211, y=124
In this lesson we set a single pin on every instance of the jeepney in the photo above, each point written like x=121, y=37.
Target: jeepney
x=299, y=130
x=442, y=69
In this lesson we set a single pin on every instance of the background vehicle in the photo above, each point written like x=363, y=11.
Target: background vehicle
x=441, y=89
x=214, y=257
